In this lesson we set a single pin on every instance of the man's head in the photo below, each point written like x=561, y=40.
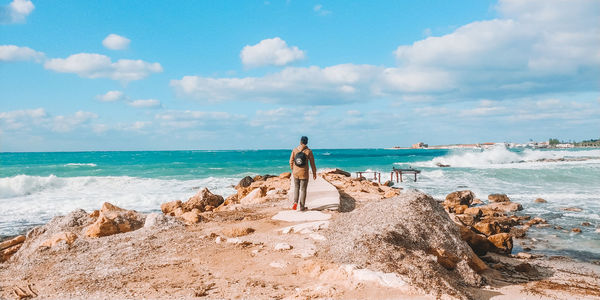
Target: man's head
x=304, y=140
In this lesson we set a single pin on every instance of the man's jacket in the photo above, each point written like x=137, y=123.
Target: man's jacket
x=302, y=172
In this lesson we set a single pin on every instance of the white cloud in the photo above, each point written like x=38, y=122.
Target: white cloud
x=336, y=84
x=116, y=42
x=273, y=51
x=537, y=47
x=190, y=119
x=91, y=65
x=320, y=10
x=69, y=123
x=16, y=53
x=38, y=118
x=534, y=46
x=145, y=103
x=111, y=96
x=16, y=11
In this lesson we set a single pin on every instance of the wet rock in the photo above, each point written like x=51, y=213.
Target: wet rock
x=245, y=182
x=498, y=198
x=477, y=201
x=573, y=209
x=388, y=183
x=467, y=220
x=340, y=171
x=535, y=221
x=519, y=232
x=586, y=224
x=503, y=243
x=285, y=175
x=113, y=220
x=576, y=230
x=540, y=200
x=526, y=268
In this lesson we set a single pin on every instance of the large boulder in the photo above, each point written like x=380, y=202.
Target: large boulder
x=488, y=227
x=498, y=198
x=340, y=172
x=203, y=199
x=256, y=196
x=113, y=220
x=402, y=235
x=459, y=198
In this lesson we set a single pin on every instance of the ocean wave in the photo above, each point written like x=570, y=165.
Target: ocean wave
x=499, y=155
x=81, y=165
x=22, y=185
x=36, y=199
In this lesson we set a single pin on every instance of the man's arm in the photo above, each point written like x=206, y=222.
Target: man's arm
x=311, y=157
x=292, y=161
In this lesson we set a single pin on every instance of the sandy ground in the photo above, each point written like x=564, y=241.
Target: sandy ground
x=188, y=262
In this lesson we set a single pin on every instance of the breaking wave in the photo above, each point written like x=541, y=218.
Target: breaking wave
x=499, y=155
x=81, y=165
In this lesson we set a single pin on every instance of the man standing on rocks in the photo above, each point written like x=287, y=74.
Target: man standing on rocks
x=299, y=160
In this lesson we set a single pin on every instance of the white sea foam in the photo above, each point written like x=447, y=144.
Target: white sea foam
x=500, y=157
x=35, y=199
x=81, y=165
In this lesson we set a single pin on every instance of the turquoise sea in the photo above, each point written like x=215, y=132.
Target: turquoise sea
x=34, y=187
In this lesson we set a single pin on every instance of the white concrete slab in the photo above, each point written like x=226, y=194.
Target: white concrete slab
x=305, y=227
x=301, y=216
x=320, y=195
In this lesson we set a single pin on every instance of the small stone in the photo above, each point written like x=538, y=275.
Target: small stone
x=586, y=224
x=219, y=240
x=576, y=230
x=283, y=246
x=574, y=209
x=540, y=200
x=524, y=255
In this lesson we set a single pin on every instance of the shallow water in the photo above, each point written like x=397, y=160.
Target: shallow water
x=34, y=187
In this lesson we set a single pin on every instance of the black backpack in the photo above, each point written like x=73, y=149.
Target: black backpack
x=300, y=159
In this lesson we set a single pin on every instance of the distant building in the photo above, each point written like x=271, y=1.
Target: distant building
x=419, y=145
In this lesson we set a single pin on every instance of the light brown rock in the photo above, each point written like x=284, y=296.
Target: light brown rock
x=478, y=242
x=502, y=207
x=475, y=211
x=6, y=253
x=113, y=219
x=498, y=198
x=238, y=231
x=65, y=236
x=460, y=209
x=254, y=197
x=169, y=207
x=391, y=193
x=476, y=201
x=459, y=198
x=576, y=230
x=445, y=258
x=540, y=200
x=488, y=227
x=503, y=243
x=574, y=209
x=285, y=175
x=202, y=199
x=191, y=217
x=14, y=241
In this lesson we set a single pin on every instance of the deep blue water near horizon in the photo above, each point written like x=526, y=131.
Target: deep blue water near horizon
x=34, y=187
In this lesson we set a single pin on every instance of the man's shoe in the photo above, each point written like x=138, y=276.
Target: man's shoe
x=294, y=206
x=303, y=209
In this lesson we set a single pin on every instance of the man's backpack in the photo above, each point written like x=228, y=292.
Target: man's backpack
x=300, y=159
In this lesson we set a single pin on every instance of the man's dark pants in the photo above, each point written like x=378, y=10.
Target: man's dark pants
x=300, y=191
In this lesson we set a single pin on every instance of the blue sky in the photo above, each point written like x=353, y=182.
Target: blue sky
x=158, y=75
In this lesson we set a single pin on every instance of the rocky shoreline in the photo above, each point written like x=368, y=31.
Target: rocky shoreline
x=383, y=242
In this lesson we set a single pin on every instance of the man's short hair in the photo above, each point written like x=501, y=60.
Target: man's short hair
x=304, y=140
